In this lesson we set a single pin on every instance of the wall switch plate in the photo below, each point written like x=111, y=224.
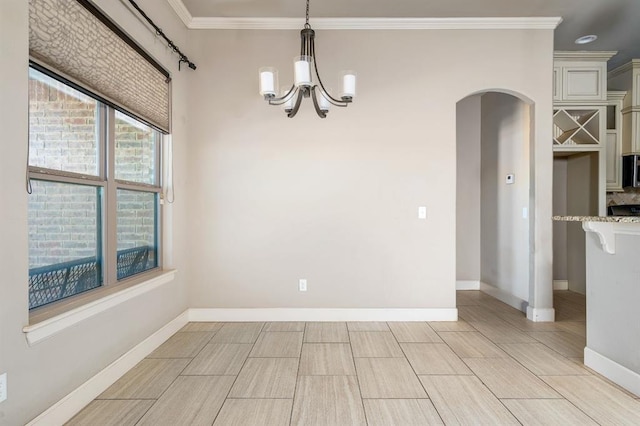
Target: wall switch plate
x=422, y=212
x=302, y=285
x=525, y=212
x=3, y=386
x=510, y=179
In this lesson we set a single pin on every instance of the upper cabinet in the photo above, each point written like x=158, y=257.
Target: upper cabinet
x=614, y=140
x=580, y=77
x=627, y=78
x=580, y=101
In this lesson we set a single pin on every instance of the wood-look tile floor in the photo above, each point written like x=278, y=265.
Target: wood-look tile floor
x=492, y=367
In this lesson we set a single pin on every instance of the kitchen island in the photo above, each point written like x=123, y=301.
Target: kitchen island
x=613, y=297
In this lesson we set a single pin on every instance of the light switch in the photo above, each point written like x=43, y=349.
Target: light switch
x=510, y=179
x=422, y=212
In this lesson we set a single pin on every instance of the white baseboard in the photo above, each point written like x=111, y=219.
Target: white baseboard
x=560, y=285
x=541, y=315
x=70, y=405
x=621, y=375
x=504, y=296
x=467, y=285
x=310, y=314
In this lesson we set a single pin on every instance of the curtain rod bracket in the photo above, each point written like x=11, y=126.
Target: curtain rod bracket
x=160, y=33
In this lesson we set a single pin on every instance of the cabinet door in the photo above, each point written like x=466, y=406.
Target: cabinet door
x=614, y=161
x=557, y=83
x=634, y=115
x=584, y=83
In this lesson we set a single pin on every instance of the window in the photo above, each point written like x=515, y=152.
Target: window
x=94, y=206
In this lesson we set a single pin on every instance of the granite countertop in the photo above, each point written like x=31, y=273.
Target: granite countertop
x=610, y=219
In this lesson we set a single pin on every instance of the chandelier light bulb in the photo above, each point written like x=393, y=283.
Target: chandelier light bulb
x=323, y=102
x=288, y=103
x=268, y=81
x=348, y=84
x=302, y=70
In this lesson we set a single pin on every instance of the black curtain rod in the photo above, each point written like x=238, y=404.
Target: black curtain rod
x=172, y=46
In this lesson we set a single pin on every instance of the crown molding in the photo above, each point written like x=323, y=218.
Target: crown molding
x=634, y=63
x=181, y=10
x=583, y=55
x=375, y=23
x=224, y=23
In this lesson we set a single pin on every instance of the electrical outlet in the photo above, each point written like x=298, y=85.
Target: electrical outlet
x=3, y=386
x=302, y=285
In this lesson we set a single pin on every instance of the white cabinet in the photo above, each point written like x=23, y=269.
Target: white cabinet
x=557, y=83
x=580, y=76
x=614, y=163
x=584, y=82
x=614, y=140
x=627, y=78
x=580, y=117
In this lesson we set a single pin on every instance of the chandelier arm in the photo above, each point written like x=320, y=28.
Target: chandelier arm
x=334, y=101
x=284, y=98
x=321, y=113
x=340, y=104
x=296, y=107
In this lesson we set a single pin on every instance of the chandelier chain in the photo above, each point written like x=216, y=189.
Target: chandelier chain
x=306, y=25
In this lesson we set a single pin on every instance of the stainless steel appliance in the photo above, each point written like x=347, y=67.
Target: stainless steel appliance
x=624, y=210
x=631, y=171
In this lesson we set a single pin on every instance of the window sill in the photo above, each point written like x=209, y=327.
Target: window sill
x=48, y=322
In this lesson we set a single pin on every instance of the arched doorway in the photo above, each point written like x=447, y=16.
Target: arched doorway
x=493, y=223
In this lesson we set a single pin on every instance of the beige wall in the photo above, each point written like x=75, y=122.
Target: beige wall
x=504, y=230
x=335, y=201
x=468, y=142
x=41, y=375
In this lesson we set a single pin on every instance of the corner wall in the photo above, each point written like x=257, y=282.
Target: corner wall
x=41, y=375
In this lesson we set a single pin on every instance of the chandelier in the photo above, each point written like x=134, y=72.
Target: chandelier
x=307, y=82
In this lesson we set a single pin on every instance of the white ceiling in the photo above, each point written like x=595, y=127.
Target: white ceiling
x=616, y=22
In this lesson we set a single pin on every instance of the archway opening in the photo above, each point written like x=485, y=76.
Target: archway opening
x=493, y=226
